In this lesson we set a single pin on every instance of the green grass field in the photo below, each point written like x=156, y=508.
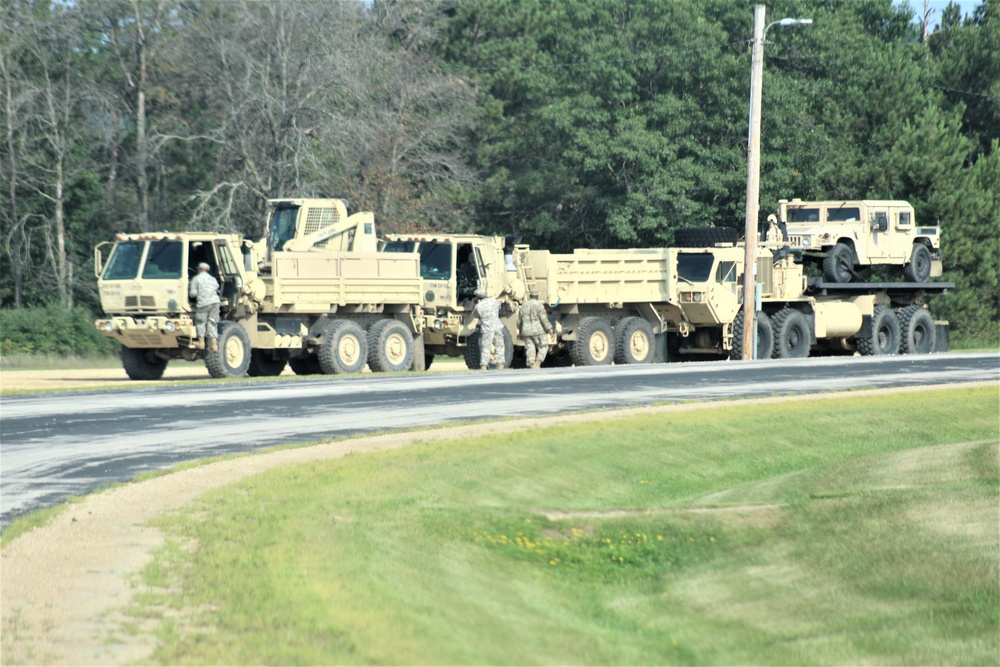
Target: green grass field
x=842, y=531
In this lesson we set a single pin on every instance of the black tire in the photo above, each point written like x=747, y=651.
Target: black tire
x=634, y=341
x=307, y=365
x=765, y=336
x=594, y=344
x=263, y=364
x=838, y=265
x=472, y=350
x=142, y=364
x=884, y=336
x=919, y=268
x=700, y=237
x=232, y=359
x=390, y=347
x=792, y=336
x=344, y=348
x=917, y=333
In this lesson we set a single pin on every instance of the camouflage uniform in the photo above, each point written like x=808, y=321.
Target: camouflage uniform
x=491, y=331
x=206, y=313
x=535, y=328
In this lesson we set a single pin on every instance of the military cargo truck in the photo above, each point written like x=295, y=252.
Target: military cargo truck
x=645, y=305
x=846, y=238
x=312, y=293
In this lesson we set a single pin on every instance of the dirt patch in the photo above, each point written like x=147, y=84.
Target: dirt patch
x=64, y=584
x=84, y=378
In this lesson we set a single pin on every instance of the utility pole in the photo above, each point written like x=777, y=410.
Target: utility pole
x=753, y=188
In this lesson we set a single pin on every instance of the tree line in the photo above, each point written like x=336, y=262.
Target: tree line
x=598, y=123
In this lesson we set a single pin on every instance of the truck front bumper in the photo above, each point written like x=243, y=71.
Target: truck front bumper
x=154, y=331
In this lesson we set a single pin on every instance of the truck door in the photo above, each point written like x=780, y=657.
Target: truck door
x=902, y=240
x=230, y=276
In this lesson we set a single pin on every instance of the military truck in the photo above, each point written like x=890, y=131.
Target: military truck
x=645, y=305
x=312, y=293
x=846, y=238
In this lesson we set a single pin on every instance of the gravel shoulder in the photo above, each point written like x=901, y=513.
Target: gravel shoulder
x=64, y=585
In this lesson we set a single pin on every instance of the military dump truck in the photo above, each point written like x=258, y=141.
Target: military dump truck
x=645, y=305
x=846, y=238
x=312, y=293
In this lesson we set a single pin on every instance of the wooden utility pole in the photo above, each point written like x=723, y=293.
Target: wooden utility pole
x=753, y=188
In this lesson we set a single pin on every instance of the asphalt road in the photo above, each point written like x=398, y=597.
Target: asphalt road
x=58, y=445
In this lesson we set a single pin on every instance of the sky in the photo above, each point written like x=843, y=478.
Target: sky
x=937, y=6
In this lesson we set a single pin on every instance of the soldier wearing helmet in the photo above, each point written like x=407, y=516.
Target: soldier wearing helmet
x=533, y=322
x=490, y=330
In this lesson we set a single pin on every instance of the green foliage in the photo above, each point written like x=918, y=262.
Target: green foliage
x=51, y=330
x=542, y=546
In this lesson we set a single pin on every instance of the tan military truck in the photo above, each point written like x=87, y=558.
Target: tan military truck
x=313, y=293
x=847, y=238
x=645, y=305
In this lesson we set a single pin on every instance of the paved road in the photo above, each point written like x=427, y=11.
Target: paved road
x=55, y=446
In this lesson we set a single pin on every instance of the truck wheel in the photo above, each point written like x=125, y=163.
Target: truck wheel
x=919, y=268
x=232, y=358
x=305, y=365
x=594, y=344
x=838, y=265
x=884, y=336
x=264, y=365
x=700, y=237
x=765, y=336
x=916, y=330
x=792, y=337
x=390, y=347
x=633, y=341
x=142, y=364
x=344, y=348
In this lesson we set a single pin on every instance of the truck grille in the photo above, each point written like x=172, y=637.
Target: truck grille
x=143, y=302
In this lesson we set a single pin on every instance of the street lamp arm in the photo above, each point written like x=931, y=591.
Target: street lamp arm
x=787, y=22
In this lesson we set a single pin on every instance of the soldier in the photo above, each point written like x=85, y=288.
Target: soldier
x=490, y=329
x=205, y=289
x=535, y=328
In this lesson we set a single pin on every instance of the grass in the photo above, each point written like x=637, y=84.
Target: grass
x=847, y=531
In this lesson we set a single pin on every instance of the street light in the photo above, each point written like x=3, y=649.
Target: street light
x=753, y=177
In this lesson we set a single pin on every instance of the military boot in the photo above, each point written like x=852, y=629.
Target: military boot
x=483, y=368
x=537, y=364
x=198, y=343
x=213, y=345
x=499, y=367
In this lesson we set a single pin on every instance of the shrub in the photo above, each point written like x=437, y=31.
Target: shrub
x=52, y=330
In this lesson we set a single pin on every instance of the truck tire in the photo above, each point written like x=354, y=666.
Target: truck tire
x=264, y=365
x=232, y=359
x=634, y=341
x=306, y=365
x=765, y=336
x=916, y=330
x=142, y=364
x=700, y=237
x=594, y=344
x=390, y=347
x=838, y=265
x=344, y=348
x=884, y=336
x=919, y=268
x=792, y=337
x=472, y=349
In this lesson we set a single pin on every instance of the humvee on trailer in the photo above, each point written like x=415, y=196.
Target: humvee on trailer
x=846, y=238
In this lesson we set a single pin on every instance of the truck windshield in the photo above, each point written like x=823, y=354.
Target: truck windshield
x=399, y=246
x=435, y=261
x=803, y=215
x=124, y=261
x=694, y=267
x=282, y=226
x=163, y=260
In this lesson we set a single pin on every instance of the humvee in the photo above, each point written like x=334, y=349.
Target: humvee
x=846, y=238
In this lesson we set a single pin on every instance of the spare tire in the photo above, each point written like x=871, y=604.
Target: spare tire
x=700, y=237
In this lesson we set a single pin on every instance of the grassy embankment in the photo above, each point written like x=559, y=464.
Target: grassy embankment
x=847, y=531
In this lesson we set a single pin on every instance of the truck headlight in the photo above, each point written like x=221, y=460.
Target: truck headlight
x=438, y=325
x=169, y=326
x=807, y=240
x=109, y=327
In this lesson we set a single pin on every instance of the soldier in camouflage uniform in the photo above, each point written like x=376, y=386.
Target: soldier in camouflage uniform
x=490, y=328
x=205, y=289
x=535, y=328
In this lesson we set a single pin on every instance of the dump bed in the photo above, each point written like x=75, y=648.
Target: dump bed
x=319, y=282
x=638, y=275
